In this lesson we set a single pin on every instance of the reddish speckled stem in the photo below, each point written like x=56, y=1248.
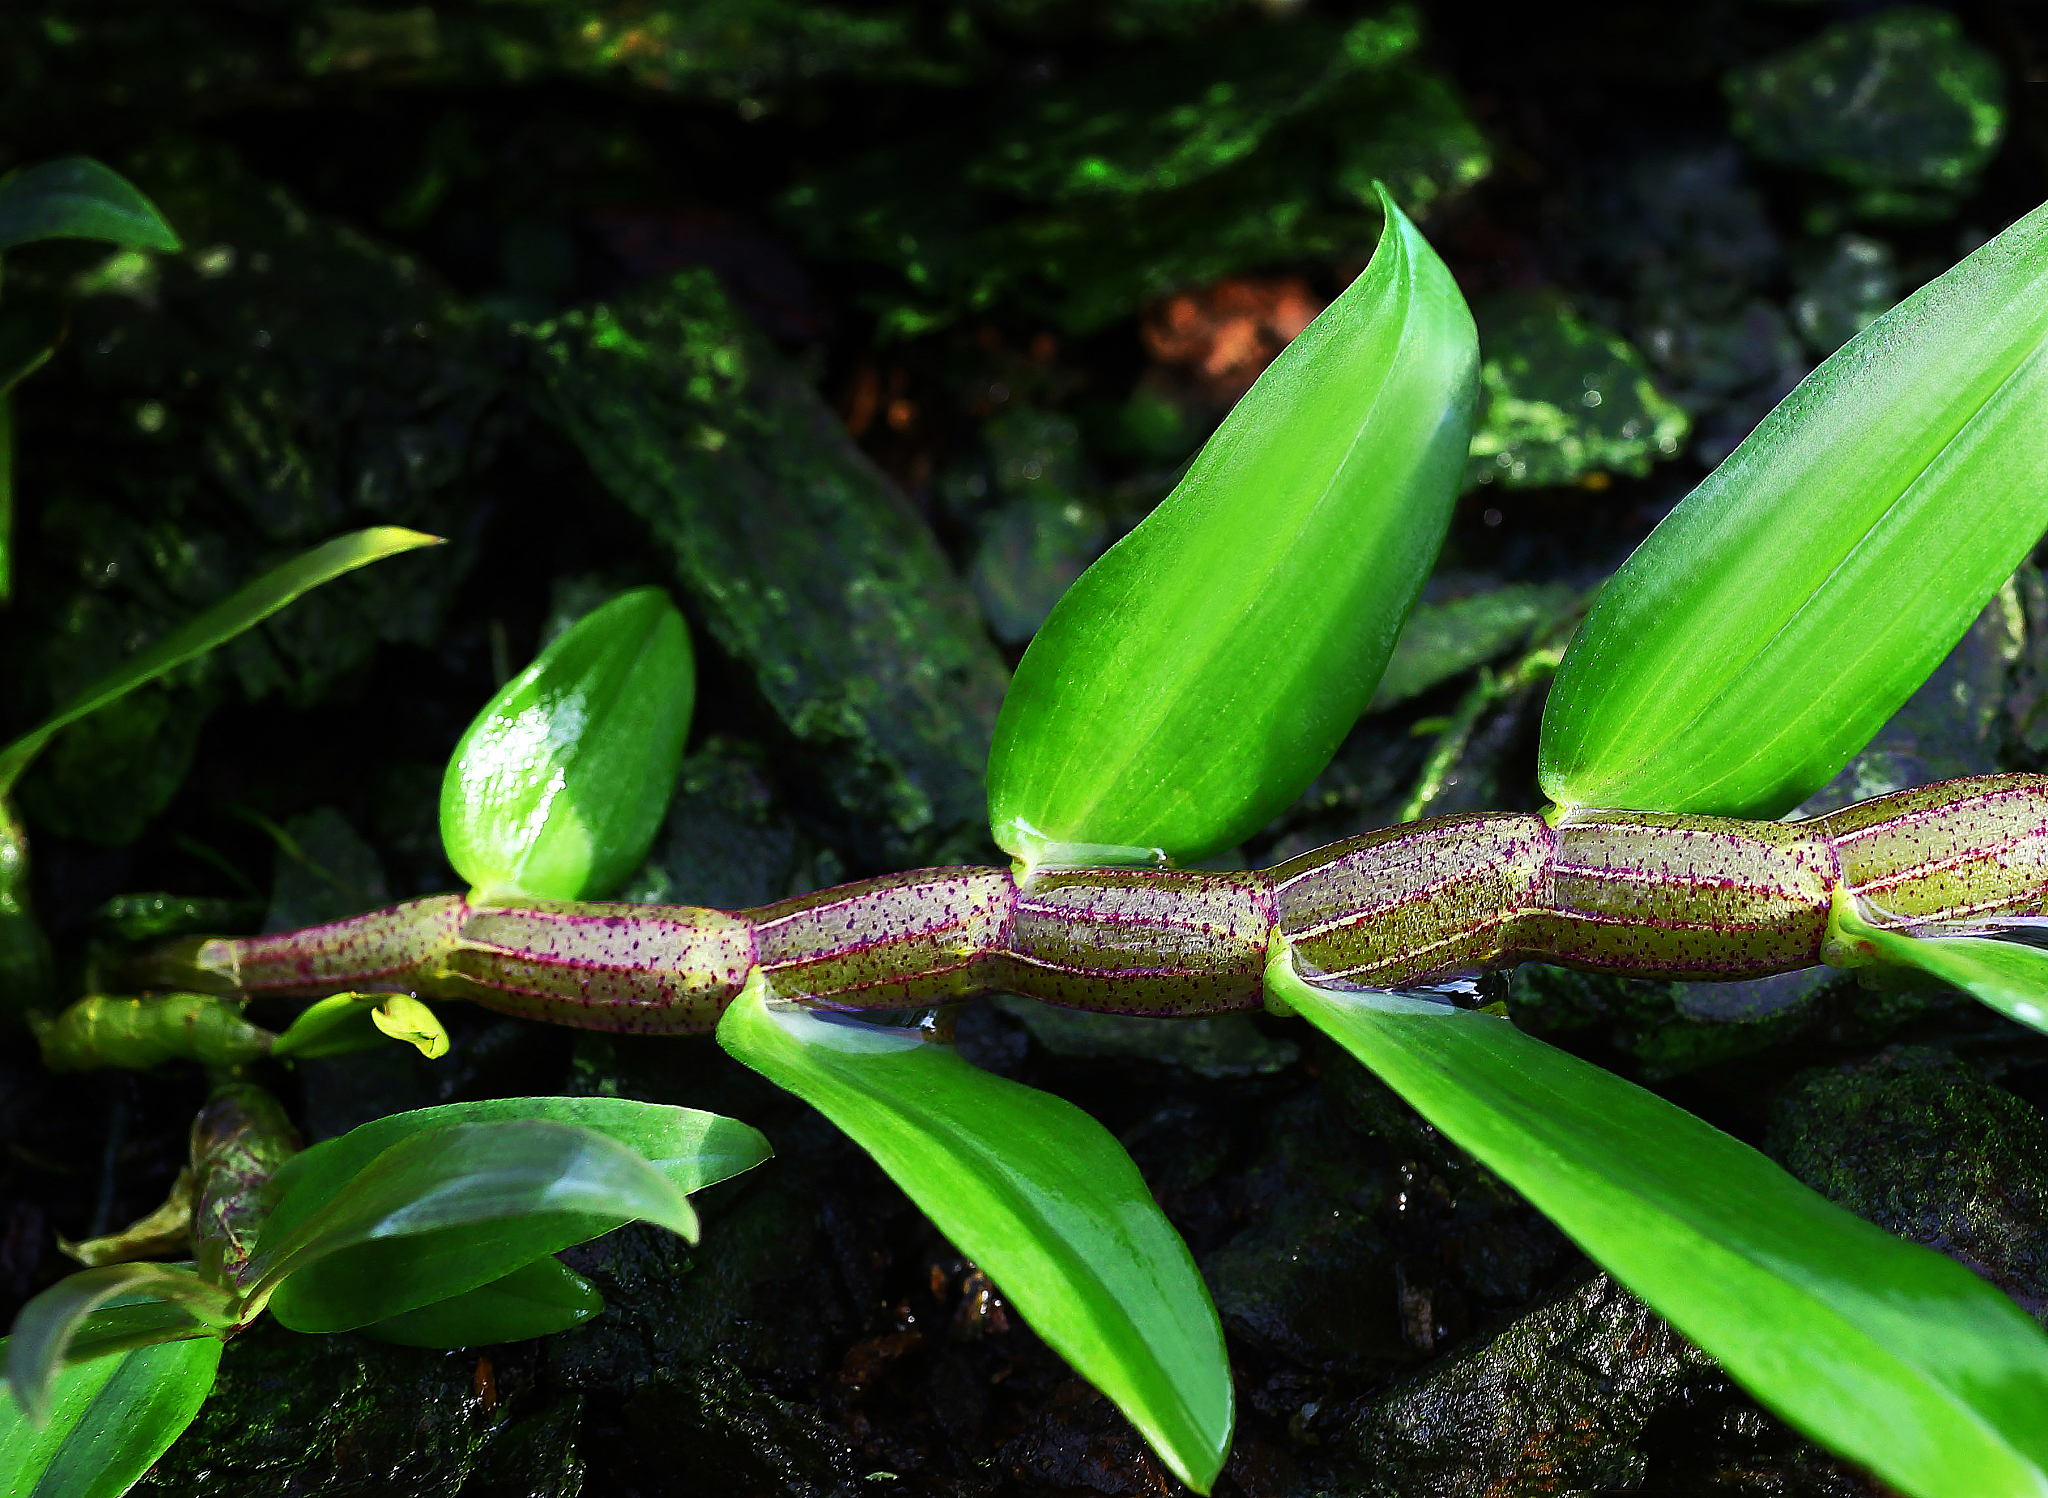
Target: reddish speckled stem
x=1622, y=892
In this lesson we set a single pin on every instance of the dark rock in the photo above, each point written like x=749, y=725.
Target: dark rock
x=1563, y=398
x=1898, y=104
x=1558, y=1402
x=1915, y=1142
x=296, y=1416
x=1845, y=292
x=805, y=563
x=706, y=1427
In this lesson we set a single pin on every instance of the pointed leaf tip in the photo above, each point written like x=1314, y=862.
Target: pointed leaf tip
x=1038, y=1194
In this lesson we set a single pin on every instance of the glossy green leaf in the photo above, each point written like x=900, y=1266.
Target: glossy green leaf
x=449, y=1208
x=1204, y=670
x=241, y=610
x=108, y=1421
x=74, y=197
x=1891, y=1354
x=45, y=1331
x=1035, y=1192
x=1775, y=619
x=452, y=1208
x=2008, y=976
x=535, y=1300
x=692, y=1148
x=558, y=787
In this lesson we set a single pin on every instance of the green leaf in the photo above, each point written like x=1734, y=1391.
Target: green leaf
x=558, y=787
x=1775, y=619
x=247, y=607
x=2008, y=976
x=1037, y=1193
x=693, y=1149
x=1204, y=670
x=449, y=1208
x=108, y=1422
x=1891, y=1354
x=45, y=1330
x=74, y=197
x=534, y=1300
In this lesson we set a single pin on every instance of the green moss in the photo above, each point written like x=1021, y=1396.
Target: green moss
x=1898, y=105
x=1564, y=399
x=803, y=560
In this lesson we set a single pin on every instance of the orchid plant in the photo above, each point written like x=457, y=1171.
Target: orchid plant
x=1188, y=687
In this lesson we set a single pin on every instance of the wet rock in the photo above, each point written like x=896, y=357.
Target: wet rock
x=1096, y=195
x=1224, y=1045
x=727, y=841
x=1845, y=292
x=1898, y=105
x=1914, y=1141
x=1369, y=1241
x=1563, y=399
x=1558, y=1402
x=1036, y=544
x=1672, y=1029
x=708, y=1427
x=341, y=1415
x=804, y=562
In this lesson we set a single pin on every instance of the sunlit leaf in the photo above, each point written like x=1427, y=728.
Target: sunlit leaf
x=74, y=197
x=449, y=1208
x=42, y=1336
x=219, y=624
x=534, y=1300
x=1891, y=1354
x=1204, y=670
x=558, y=786
x=1039, y=1195
x=1775, y=619
x=2009, y=976
x=108, y=1421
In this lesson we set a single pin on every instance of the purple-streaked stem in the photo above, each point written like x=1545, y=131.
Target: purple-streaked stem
x=1639, y=893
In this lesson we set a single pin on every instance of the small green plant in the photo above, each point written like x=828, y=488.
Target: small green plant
x=1194, y=680
x=73, y=197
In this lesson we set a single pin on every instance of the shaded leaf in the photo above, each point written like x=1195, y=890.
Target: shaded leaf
x=693, y=1149
x=1891, y=1354
x=449, y=1208
x=74, y=197
x=1035, y=1192
x=248, y=606
x=534, y=1300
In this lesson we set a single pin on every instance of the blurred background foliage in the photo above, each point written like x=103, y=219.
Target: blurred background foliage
x=862, y=328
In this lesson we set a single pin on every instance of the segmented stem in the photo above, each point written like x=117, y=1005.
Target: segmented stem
x=1623, y=892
